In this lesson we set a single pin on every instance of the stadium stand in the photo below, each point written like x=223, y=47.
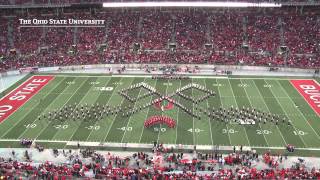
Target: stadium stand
x=159, y=165
x=234, y=38
x=286, y=38
x=37, y=2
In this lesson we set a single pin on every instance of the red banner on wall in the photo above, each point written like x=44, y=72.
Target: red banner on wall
x=16, y=98
x=310, y=90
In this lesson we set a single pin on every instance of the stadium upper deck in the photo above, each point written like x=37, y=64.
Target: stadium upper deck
x=276, y=38
x=30, y=2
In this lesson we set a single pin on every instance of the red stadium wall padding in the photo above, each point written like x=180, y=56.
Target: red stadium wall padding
x=153, y=120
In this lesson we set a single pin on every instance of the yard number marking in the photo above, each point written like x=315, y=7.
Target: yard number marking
x=96, y=128
x=30, y=126
x=125, y=128
x=118, y=83
x=299, y=132
x=218, y=85
x=61, y=126
x=229, y=131
x=243, y=85
x=104, y=88
x=70, y=82
x=197, y=130
x=167, y=84
x=161, y=129
x=264, y=131
x=94, y=82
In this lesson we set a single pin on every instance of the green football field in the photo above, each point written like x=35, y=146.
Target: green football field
x=273, y=95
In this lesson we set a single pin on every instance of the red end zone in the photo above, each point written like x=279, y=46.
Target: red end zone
x=310, y=90
x=16, y=98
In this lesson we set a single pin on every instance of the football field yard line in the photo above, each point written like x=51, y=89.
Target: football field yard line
x=61, y=131
x=120, y=86
x=135, y=104
x=93, y=86
x=178, y=111
x=66, y=121
x=160, y=136
x=114, y=91
x=266, y=106
x=238, y=108
x=195, y=140
x=253, y=107
x=95, y=99
x=104, y=123
x=298, y=110
x=221, y=103
x=219, y=138
x=205, y=85
x=22, y=117
x=155, y=84
x=311, y=138
x=286, y=114
x=148, y=134
x=274, y=107
x=185, y=123
x=202, y=126
x=159, y=130
x=20, y=128
x=115, y=116
x=254, y=137
x=167, y=135
x=52, y=102
x=83, y=130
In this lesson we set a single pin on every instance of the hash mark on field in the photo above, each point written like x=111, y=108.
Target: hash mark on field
x=177, y=117
x=114, y=118
x=21, y=118
x=298, y=110
x=283, y=110
x=78, y=124
x=266, y=106
x=252, y=107
x=135, y=104
x=222, y=105
x=205, y=85
x=238, y=107
x=60, y=109
x=112, y=94
x=161, y=114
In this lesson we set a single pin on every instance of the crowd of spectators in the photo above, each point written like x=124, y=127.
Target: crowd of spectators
x=161, y=164
x=145, y=36
x=36, y=2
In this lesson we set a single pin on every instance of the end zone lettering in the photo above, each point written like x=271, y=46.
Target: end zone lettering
x=15, y=99
x=310, y=90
